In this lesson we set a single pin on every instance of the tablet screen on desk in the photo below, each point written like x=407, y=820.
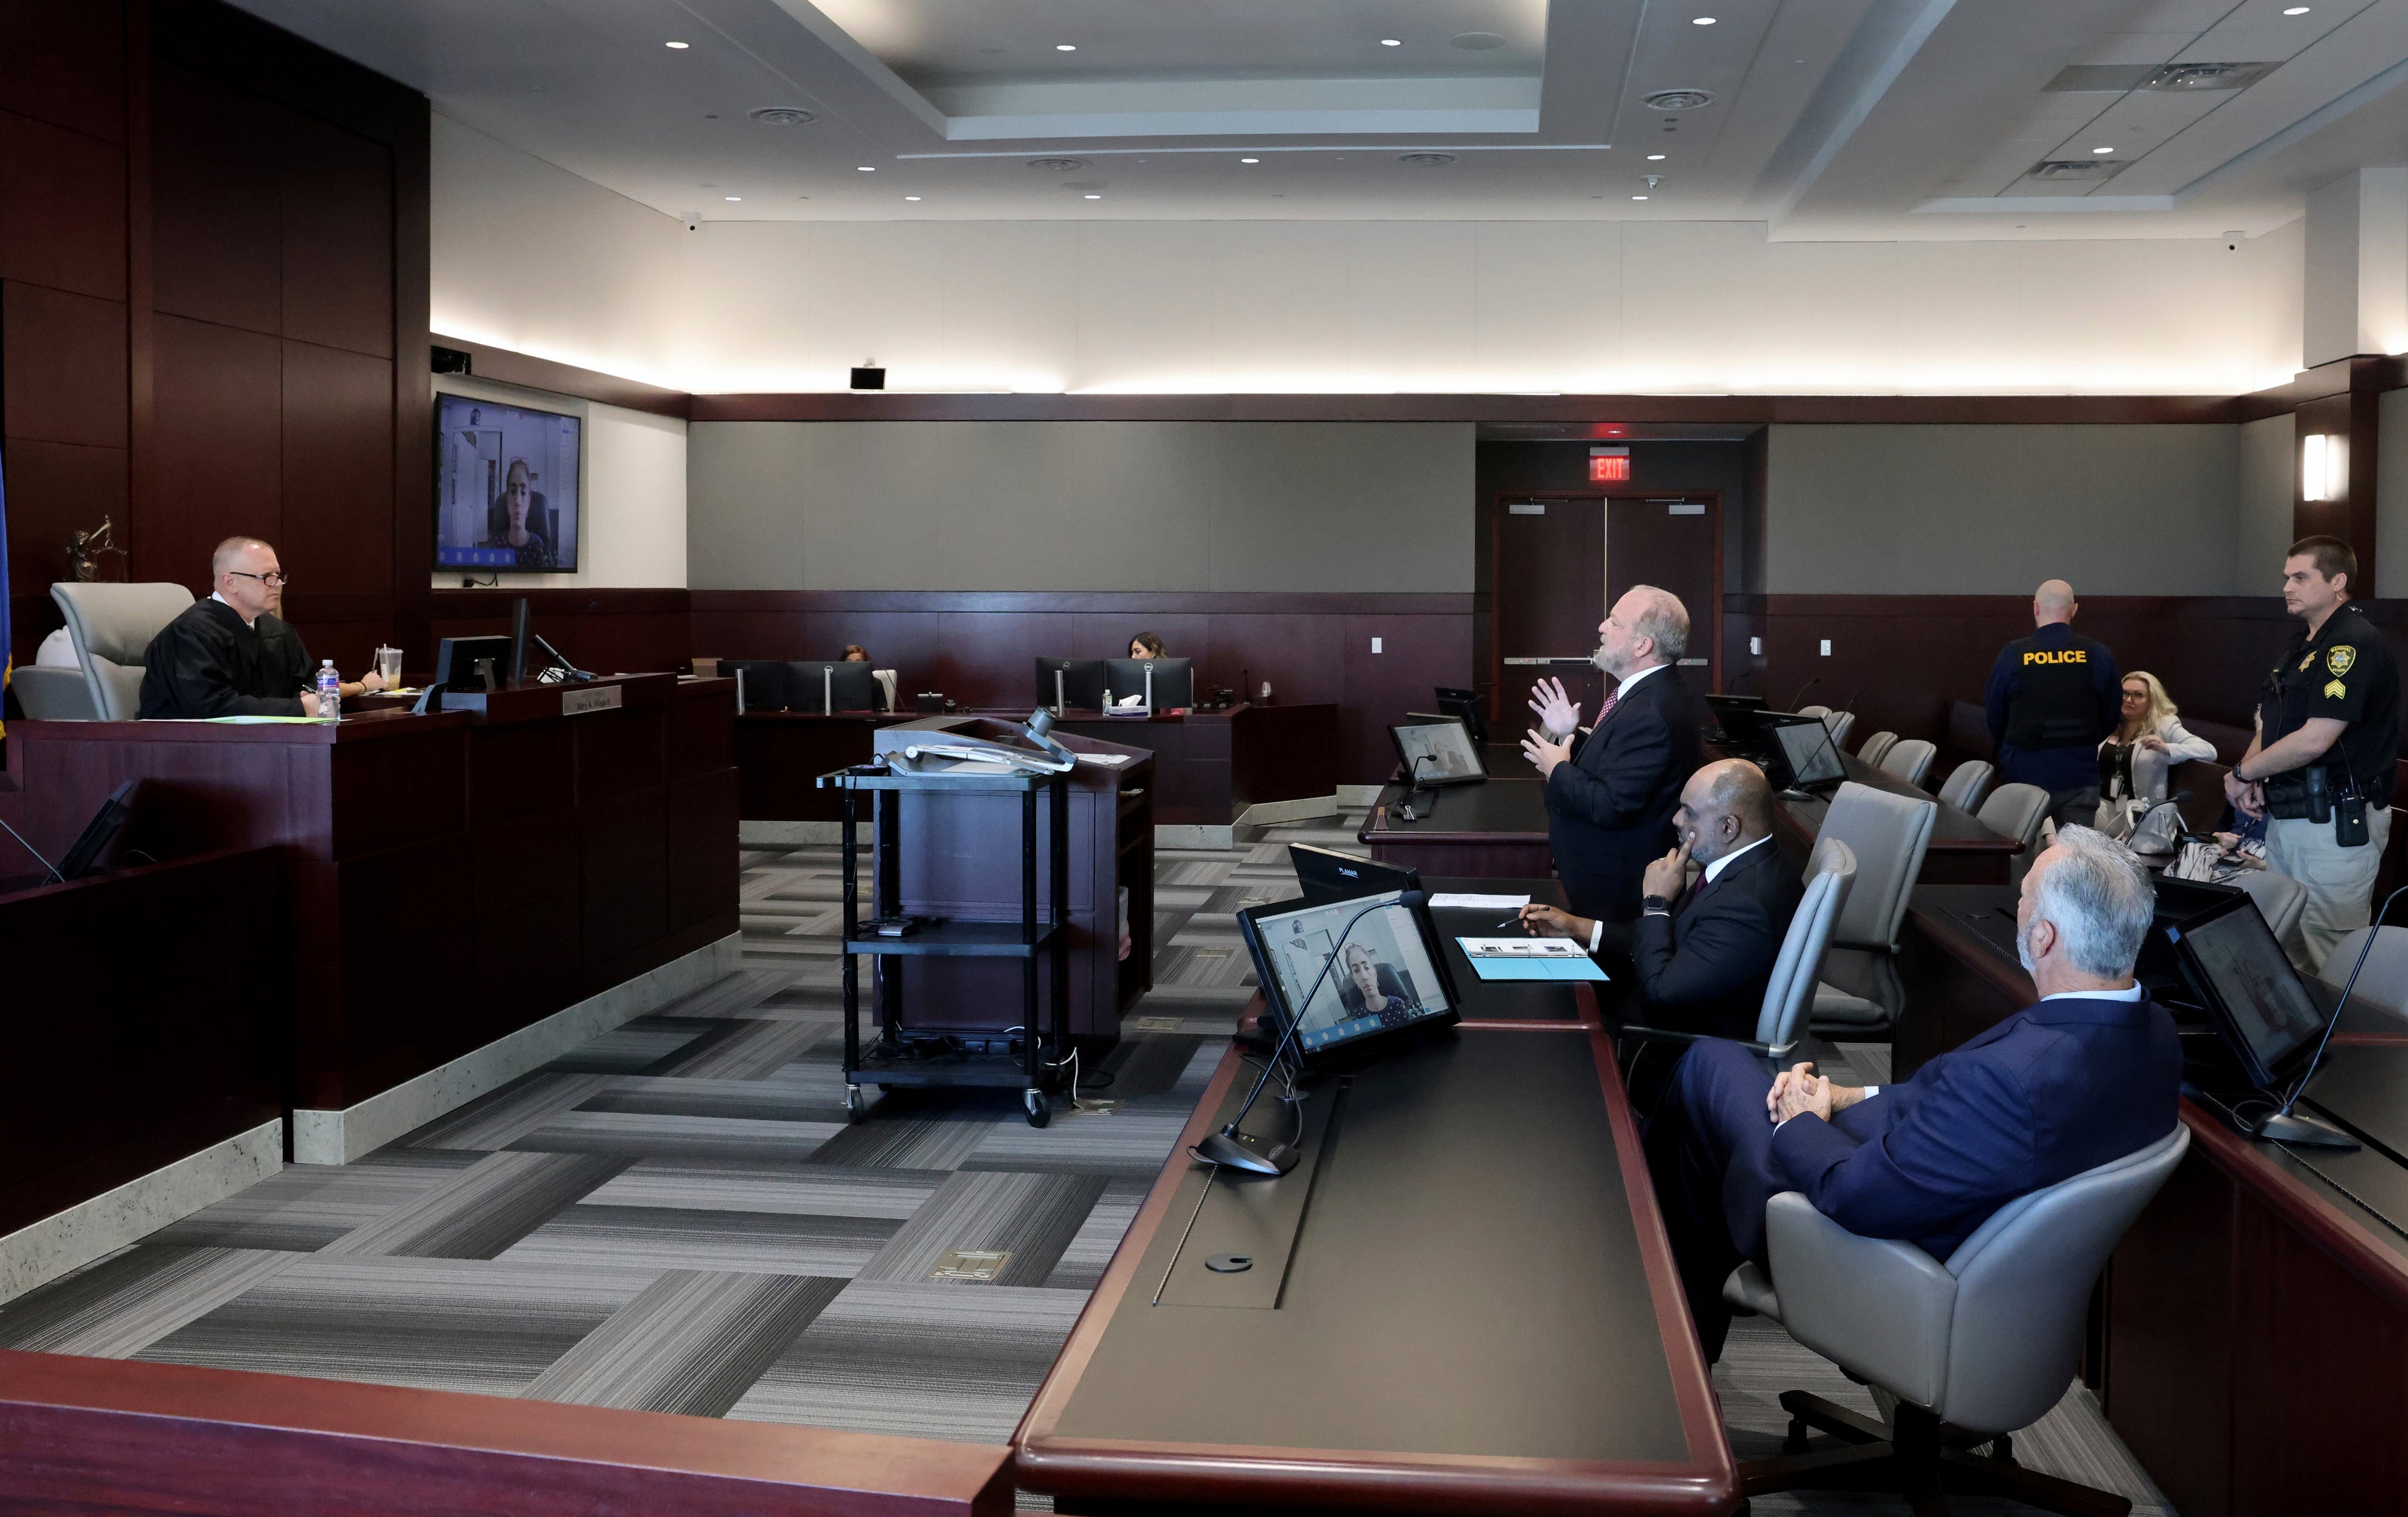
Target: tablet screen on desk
x=2240, y=972
x=1387, y=976
x=1438, y=753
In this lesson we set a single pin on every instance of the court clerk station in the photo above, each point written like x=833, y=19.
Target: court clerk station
x=1455, y=756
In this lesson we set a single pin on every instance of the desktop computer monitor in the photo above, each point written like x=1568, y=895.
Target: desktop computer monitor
x=1385, y=978
x=1465, y=706
x=1801, y=752
x=1174, y=680
x=1324, y=874
x=2263, y=1014
x=462, y=663
x=820, y=685
x=1736, y=718
x=1076, y=684
x=1437, y=753
x=764, y=682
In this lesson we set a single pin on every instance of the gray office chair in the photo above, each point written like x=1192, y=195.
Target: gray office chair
x=1839, y=723
x=1957, y=1354
x=1889, y=834
x=2280, y=900
x=1781, y=1024
x=1910, y=760
x=2383, y=982
x=1814, y=710
x=1966, y=784
x=1877, y=747
x=51, y=695
x=111, y=625
x=2016, y=810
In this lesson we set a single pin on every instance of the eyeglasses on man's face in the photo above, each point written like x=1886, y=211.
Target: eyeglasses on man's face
x=273, y=579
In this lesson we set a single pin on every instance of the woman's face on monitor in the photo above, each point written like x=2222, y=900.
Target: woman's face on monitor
x=515, y=497
x=1366, y=973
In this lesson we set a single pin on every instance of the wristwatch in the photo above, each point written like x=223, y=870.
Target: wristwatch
x=1654, y=903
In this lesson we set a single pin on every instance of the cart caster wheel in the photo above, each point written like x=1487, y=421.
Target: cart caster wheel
x=1040, y=1111
x=852, y=1103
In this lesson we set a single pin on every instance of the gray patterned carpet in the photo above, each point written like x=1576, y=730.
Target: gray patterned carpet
x=676, y=1217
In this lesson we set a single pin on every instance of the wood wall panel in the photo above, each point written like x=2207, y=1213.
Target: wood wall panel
x=64, y=64
x=218, y=440
x=63, y=371
x=214, y=174
x=54, y=488
x=337, y=238
x=337, y=469
x=62, y=207
x=606, y=631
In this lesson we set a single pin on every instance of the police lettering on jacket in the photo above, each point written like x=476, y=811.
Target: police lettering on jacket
x=2057, y=655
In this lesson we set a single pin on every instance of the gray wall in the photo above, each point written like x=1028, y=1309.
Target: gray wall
x=2135, y=510
x=2269, y=462
x=1070, y=505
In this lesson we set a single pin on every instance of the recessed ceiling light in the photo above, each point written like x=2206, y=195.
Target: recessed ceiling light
x=1654, y=157
x=2296, y=10
x=2102, y=151
x=678, y=46
x=910, y=197
x=1095, y=197
x=1701, y=20
x=865, y=168
x=735, y=198
x=1392, y=42
x=1638, y=198
x=1066, y=47
x=1249, y=160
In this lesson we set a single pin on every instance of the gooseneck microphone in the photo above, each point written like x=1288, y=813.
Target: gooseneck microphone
x=1413, y=788
x=1235, y=1150
x=1801, y=691
x=2285, y=1126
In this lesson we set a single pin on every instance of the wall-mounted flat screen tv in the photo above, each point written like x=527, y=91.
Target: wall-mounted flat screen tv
x=506, y=495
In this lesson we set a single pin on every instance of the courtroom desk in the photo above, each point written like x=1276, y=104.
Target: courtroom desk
x=86, y=1434
x=1210, y=766
x=449, y=879
x=1964, y=851
x=142, y=1023
x=1477, y=1313
x=1495, y=829
x=1501, y=1000
x=779, y=754
x=2256, y=1326
x=960, y=857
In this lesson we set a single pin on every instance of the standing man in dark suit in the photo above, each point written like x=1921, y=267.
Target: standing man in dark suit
x=1611, y=791
x=1704, y=952
x=2053, y=697
x=2089, y=1073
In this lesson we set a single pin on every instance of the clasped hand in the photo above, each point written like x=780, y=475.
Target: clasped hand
x=1800, y=1090
x=2248, y=797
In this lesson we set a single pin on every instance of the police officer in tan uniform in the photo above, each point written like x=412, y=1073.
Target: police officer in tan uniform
x=2321, y=766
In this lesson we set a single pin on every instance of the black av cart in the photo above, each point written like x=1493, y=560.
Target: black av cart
x=906, y=934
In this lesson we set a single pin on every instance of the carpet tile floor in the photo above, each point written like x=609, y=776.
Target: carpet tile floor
x=675, y=1216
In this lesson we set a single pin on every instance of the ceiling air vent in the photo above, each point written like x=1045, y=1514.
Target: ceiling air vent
x=783, y=115
x=1058, y=165
x=1680, y=99
x=2193, y=77
x=1425, y=159
x=2091, y=169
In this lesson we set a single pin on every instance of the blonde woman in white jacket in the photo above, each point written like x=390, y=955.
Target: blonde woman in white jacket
x=2148, y=741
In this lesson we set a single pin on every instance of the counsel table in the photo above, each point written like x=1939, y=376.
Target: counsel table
x=1478, y=1313
x=1495, y=829
x=1964, y=849
x=1210, y=766
x=2256, y=1313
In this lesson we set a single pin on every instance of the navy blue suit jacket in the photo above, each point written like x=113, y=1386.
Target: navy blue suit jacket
x=1610, y=809
x=2055, y=1089
x=1705, y=967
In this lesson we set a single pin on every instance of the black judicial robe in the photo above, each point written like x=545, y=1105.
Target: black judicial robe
x=206, y=663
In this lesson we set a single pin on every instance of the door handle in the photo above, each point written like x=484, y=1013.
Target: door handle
x=1583, y=660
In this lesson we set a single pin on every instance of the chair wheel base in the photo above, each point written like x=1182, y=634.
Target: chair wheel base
x=1919, y=1457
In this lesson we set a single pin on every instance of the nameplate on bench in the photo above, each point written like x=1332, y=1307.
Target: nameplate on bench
x=578, y=702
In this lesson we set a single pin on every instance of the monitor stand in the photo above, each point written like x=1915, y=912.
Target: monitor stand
x=2307, y=1132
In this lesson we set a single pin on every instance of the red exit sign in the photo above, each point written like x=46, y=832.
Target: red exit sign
x=1608, y=465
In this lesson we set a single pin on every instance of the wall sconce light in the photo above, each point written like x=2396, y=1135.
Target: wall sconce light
x=2316, y=468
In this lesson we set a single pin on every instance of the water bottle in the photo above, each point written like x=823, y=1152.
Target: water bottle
x=330, y=690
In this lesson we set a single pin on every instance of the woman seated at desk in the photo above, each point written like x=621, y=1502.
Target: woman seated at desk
x=1372, y=989
x=1146, y=645
x=2146, y=743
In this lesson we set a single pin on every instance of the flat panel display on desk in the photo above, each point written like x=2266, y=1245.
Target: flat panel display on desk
x=508, y=487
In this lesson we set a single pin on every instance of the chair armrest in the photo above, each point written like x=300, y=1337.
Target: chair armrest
x=1878, y=1309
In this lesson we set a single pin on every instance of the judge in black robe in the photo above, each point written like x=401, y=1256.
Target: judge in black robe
x=209, y=662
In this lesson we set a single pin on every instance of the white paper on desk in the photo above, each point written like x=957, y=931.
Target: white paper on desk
x=1114, y=759
x=1447, y=900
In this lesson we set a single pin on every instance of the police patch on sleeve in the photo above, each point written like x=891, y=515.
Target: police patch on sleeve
x=2335, y=690
x=2337, y=661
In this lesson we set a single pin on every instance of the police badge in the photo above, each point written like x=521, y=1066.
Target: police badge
x=2338, y=660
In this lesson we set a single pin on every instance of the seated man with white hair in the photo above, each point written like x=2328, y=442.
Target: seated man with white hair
x=2089, y=1074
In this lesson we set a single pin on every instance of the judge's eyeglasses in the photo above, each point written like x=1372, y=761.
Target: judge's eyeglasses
x=271, y=580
